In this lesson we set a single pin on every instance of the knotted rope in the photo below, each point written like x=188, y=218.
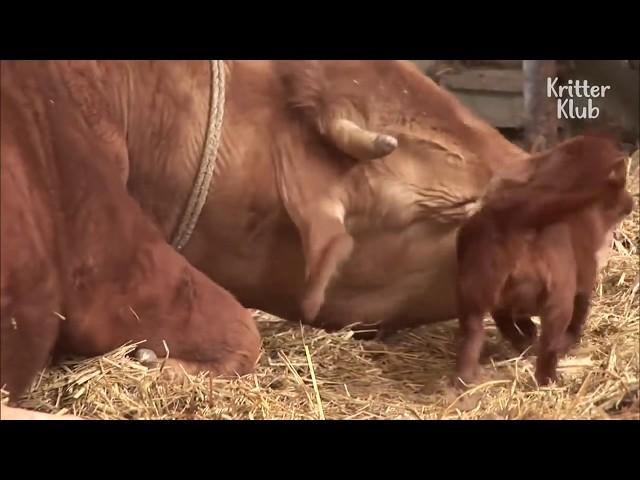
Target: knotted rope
x=208, y=161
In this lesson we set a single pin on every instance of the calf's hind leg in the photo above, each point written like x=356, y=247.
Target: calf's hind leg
x=556, y=318
x=581, y=304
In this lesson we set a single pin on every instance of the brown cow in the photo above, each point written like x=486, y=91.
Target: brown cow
x=292, y=157
x=83, y=270
x=310, y=227
x=337, y=190
x=532, y=250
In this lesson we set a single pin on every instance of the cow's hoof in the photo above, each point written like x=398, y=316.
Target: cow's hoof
x=146, y=357
x=365, y=334
x=173, y=371
x=385, y=144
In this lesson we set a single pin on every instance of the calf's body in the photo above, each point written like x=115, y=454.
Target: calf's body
x=540, y=260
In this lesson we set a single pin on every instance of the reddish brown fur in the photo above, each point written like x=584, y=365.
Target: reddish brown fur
x=274, y=213
x=83, y=270
x=320, y=92
x=531, y=250
x=298, y=228
x=374, y=240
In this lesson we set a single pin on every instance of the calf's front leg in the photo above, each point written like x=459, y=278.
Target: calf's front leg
x=555, y=320
x=581, y=305
x=472, y=341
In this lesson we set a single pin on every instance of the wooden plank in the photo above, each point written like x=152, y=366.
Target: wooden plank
x=489, y=80
x=515, y=64
x=500, y=110
x=541, y=124
x=424, y=65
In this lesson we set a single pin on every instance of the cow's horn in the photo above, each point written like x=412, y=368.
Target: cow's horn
x=358, y=142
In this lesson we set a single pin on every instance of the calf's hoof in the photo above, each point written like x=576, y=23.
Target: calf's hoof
x=544, y=378
x=465, y=377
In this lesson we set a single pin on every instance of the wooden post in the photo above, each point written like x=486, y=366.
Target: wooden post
x=541, y=120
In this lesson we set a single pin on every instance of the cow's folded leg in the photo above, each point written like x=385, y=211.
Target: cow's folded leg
x=175, y=370
x=224, y=350
x=228, y=361
x=29, y=335
x=185, y=319
x=357, y=142
x=221, y=336
x=27, y=344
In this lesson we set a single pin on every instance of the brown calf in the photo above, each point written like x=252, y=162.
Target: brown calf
x=531, y=250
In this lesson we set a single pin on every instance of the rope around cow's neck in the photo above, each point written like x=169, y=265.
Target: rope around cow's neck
x=208, y=161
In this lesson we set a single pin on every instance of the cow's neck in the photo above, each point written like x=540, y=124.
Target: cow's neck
x=167, y=115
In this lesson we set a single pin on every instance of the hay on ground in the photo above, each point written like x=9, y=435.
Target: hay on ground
x=305, y=373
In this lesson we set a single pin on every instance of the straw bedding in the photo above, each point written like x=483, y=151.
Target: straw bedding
x=305, y=373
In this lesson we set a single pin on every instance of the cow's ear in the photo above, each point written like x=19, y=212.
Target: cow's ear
x=320, y=223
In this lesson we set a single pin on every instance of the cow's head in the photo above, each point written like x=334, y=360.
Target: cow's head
x=402, y=210
x=419, y=162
